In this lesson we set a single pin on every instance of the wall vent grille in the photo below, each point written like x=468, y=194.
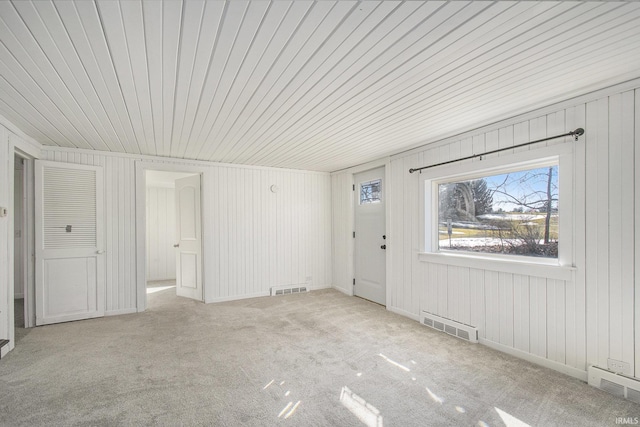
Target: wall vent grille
x=613, y=383
x=451, y=327
x=288, y=290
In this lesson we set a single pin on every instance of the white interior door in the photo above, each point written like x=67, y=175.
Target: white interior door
x=370, y=243
x=69, y=222
x=189, y=236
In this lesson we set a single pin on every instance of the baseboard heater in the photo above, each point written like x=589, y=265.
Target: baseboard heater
x=288, y=289
x=613, y=383
x=451, y=327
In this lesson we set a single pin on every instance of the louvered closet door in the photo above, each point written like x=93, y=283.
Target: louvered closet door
x=70, y=256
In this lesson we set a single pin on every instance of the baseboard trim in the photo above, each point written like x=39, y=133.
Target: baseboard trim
x=238, y=297
x=258, y=295
x=412, y=316
x=120, y=312
x=556, y=366
x=344, y=291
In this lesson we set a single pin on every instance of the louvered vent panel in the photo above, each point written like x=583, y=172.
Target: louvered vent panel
x=633, y=395
x=69, y=200
x=612, y=387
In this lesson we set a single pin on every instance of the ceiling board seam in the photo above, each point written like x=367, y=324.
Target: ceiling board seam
x=336, y=63
x=304, y=128
x=388, y=48
x=268, y=72
x=87, y=75
x=275, y=32
x=133, y=79
x=152, y=143
x=384, y=108
x=178, y=62
x=333, y=111
x=115, y=71
x=331, y=33
x=55, y=107
x=224, y=69
x=14, y=129
x=82, y=137
x=206, y=80
x=284, y=68
x=442, y=37
x=92, y=126
x=437, y=139
x=175, y=86
x=21, y=116
x=180, y=141
x=498, y=83
x=127, y=130
x=235, y=77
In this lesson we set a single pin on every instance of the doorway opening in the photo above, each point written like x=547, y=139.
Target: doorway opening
x=23, y=247
x=173, y=234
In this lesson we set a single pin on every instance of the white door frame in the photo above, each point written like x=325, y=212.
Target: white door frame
x=141, y=223
x=386, y=162
x=28, y=247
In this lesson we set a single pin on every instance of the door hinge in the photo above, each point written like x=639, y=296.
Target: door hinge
x=354, y=281
x=353, y=187
x=354, y=234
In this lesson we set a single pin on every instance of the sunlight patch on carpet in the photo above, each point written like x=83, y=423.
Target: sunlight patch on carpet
x=366, y=412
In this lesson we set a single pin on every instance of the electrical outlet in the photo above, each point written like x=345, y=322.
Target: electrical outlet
x=618, y=366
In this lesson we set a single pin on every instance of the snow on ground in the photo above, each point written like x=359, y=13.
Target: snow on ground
x=478, y=241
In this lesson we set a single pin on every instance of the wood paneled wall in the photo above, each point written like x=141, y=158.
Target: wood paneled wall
x=254, y=238
x=161, y=231
x=564, y=324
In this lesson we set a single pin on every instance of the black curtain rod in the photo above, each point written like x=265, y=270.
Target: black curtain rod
x=576, y=133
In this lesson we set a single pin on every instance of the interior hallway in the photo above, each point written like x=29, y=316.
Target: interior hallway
x=256, y=361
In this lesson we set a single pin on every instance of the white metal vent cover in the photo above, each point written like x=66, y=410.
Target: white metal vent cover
x=288, y=289
x=451, y=327
x=613, y=383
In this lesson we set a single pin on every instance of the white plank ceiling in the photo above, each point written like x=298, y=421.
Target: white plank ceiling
x=307, y=85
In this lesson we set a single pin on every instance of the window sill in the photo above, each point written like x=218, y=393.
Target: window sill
x=549, y=269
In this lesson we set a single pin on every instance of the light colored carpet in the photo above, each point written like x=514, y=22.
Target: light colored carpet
x=280, y=360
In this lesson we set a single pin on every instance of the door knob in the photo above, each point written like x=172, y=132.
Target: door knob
x=177, y=245
x=383, y=247
x=100, y=252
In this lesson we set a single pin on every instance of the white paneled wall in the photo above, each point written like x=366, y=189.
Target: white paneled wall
x=565, y=324
x=161, y=232
x=253, y=238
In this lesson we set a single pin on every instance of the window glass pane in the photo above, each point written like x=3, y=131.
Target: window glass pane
x=370, y=192
x=510, y=213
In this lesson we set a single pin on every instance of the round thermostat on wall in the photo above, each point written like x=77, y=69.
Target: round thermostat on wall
x=274, y=188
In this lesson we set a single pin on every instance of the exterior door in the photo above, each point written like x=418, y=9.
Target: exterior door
x=70, y=260
x=189, y=236
x=370, y=239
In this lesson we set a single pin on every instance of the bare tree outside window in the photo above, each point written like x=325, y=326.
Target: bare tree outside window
x=509, y=213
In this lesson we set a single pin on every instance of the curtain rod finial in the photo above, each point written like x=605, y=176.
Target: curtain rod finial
x=579, y=132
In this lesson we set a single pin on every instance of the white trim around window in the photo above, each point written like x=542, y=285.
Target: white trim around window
x=560, y=268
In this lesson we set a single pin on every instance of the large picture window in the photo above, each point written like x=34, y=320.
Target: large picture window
x=514, y=212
